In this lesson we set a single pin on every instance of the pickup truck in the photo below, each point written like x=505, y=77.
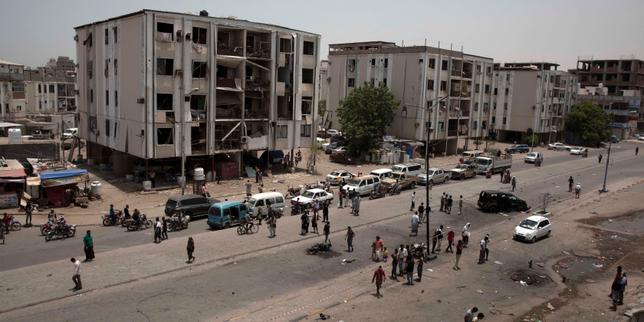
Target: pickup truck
x=463, y=171
x=41, y=135
x=404, y=181
x=493, y=164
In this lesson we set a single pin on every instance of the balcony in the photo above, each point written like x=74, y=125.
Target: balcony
x=230, y=42
x=228, y=136
x=258, y=45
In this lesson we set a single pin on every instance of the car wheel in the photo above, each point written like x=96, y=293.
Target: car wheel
x=548, y=234
x=430, y=182
x=533, y=240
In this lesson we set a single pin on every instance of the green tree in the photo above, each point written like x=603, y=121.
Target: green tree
x=588, y=122
x=365, y=115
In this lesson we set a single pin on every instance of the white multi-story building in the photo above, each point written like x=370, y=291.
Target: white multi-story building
x=533, y=95
x=12, y=91
x=449, y=92
x=242, y=87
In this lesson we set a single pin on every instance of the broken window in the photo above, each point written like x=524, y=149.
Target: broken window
x=116, y=98
x=165, y=136
x=504, y=120
x=487, y=89
x=107, y=127
x=116, y=38
x=351, y=82
x=199, y=69
x=281, y=131
x=443, y=85
x=163, y=27
x=309, y=48
x=386, y=63
x=198, y=102
x=51, y=88
x=164, y=102
x=373, y=62
x=444, y=64
x=305, y=130
x=496, y=91
x=165, y=66
x=476, y=107
x=107, y=36
x=478, y=88
x=199, y=35
x=432, y=63
x=107, y=97
x=307, y=105
x=307, y=76
x=384, y=82
x=285, y=45
x=282, y=74
x=507, y=91
x=116, y=66
x=39, y=89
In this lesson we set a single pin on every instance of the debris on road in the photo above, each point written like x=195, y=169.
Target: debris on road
x=565, y=252
x=350, y=260
x=498, y=263
x=479, y=291
x=598, y=265
x=550, y=307
x=523, y=283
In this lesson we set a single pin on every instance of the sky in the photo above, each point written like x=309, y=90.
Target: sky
x=507, y=30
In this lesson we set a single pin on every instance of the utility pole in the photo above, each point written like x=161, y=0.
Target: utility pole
x=427, y=184
x=610, y=143
x=182, y=109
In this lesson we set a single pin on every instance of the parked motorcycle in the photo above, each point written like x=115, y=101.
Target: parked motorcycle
x=143, y=223
x=58, y=232
x=14, y=224
x=176, y=223
x=117, y=220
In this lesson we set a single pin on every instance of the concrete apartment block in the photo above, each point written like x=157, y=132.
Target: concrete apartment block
x=12, y=91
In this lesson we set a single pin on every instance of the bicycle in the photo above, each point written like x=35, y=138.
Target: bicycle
x=247, y=228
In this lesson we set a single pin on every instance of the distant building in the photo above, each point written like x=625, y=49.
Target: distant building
x=617, y=85
x=323, y=83
x=51, y=89
x=531, y=95
x=12, y=91
x=154, y=85
x=447, y=91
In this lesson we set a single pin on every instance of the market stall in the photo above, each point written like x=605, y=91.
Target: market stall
x=60, y=187
x=12, y=182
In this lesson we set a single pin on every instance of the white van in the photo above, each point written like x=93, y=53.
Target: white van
x=70, y=133
x=363, y=185
x=260, y=200
x=410, y=169
x=382, y=173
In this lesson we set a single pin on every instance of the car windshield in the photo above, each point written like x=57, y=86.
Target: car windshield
x=532, y=154
x=171, y=204
x=308, y=194
x=483, y=161
x=430, y=172
x=529, y=224
x=397, y=175
x=252, y=202
x=336, y=173
x=215, y=211
x=354, y=182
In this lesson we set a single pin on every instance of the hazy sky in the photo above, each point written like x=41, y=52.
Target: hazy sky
x=507, y=30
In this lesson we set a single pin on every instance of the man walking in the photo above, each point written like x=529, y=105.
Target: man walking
x=459, y=251
x=76, y=276
x=157, y=231
x=439, y=237
x=164, y=228
x=450, y=241
x=28, y=211
x=190, y=248
x=249, y=186
x=350, y=235
x=421, y=212
x=413, y=201
x=514, y=183
x=460, y=205
x=395, y=257
x=443, y=202
x=419, y=269
x=414, y=224
x=378, y=277
x=599, y=158
x=325, y=211
x=88, y=242
x=410, y=270
x=637, y=150
x=402, y=255
x=469, y=314
x=305, y=228
x=571, y=183
x=327, y=231
x=577, y=190
x=449, y=205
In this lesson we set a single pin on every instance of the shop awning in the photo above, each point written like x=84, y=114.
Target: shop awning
x=63, y=177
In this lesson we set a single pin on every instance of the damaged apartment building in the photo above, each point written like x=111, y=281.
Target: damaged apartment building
x=447, y=91
x=224, y=90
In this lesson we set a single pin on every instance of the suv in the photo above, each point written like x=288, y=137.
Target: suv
x=518, y=148
x=189, y=205
x=403, y=180
x=463, y=171
x=435, y=176
x=493, y=201
x=411, y=169
x=363, y=185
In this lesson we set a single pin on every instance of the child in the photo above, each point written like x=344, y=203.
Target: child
x=385, y=254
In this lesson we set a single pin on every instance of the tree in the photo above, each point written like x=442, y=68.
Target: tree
x=588, y=122
x=365, y=115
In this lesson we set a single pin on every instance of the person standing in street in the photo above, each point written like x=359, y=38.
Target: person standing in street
x=450, y=241
x=439, y=237
x=419, y=269
x=28, y=212
x=466, y=234
x=414, y=224
x=76, y=276
x=413, y=201
x=460, y=205
x=577, y=190
x=314, y=222
x=157, y=231
x=249, y=187
x=514, y=183
x=637, y=150
x=449, y=205
x=350, y=235
x=599, y=158
x=340, y=196
x=325, y=211
x=327, y=231
x=379, y=276
x=410, y=270
x=190, y=248
x=164, y=228
x=469, y=314
x=459, y=251
x=303, y=219
x=571, y=183
x=421, y=211
x=88, y=243
x=442, y=202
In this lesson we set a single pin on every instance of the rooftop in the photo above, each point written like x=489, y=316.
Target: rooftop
x=4, y=62
x=385, y=47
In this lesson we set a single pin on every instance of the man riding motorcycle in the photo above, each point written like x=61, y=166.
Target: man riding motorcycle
x=112, y=214
x=136, y=217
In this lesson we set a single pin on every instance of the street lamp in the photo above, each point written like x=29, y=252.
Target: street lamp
x=427, y=187
x=183, y=137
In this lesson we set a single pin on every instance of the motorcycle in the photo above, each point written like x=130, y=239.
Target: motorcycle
x=293, y=191
x=143, y=223
x=108, y=221
x=378, y=193
x=14, y=225
x=58, y=232
x=177, y=223
x=45, y=228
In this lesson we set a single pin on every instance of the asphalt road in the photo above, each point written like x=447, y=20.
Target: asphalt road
x=27, y=247
x=217, y=289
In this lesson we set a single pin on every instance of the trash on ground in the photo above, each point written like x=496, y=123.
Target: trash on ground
x=550, y=307
x=430, y=270
x=565, y=252
x=479, y=291
x=523, y=283
x=350, y=260
x=498, y=263
x=598, y=265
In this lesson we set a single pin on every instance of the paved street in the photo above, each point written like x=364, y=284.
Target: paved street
x=224, y=285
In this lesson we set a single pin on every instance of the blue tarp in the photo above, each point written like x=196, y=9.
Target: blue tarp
x=47, y=175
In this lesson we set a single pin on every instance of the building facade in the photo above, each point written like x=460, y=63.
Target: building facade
x=51, y=89
x=152, y=83
x=12, y=91
x=532, y=95
x=449, y=92
x=617, y=85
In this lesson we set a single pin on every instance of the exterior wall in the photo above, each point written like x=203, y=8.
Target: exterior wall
x=139, y=119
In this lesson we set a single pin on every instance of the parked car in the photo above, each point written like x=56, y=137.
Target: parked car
x=328, y=149
x=336, y=176
x=189, y=205
x=492, y=201
x=532, y=228
x=261, y=200
x=578, y=151
x=411, y=169
x=558, y=146
x=614, y=138
x=463, y=171
x=641, y=138
x=532, y=157
x=492, y=163
x=382, y=173
x=403, y=180
x=436, y=175
x=226, y=214
x=363, y=185
x=70, y=133
x=332, y=132
x=306, y=198
x=518, y=148
x=340, y=155
x=273, y=157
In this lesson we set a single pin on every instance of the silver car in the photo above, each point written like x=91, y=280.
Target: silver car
x=436, y=175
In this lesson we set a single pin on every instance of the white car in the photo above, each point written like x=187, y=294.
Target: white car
x=308, y=196
x=578, y=151
x=558, y=146
x=336, y=176
x=532, y=157
x=332, y=132
x=436, y=175
x=641, y=138
x=70, y=133
x=532, y=228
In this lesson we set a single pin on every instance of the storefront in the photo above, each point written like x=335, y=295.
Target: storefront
x=12, y=183
x=60, y=187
